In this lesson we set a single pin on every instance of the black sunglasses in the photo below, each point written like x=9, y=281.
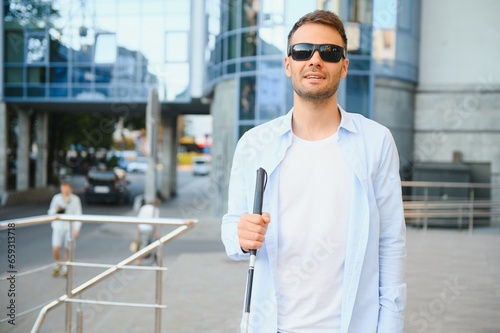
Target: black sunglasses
x=327, y=52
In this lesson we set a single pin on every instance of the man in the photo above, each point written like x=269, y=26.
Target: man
x=331, y=243
x=64, y=203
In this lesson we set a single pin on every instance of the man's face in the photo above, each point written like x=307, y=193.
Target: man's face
x=65, y=190
x=315, y=79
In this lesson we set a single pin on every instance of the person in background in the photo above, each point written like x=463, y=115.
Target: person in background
x=147, y=233
x=64, y=202
x=331, y=240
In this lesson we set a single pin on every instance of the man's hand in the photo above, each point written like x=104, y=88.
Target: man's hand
x=76, y=233
x=252, y=230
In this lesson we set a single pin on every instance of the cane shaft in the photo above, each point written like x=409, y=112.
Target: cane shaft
x=257, y=209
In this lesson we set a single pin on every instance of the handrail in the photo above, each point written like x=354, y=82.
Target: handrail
x=417, y=183
x=27, y=221
x=424, y=206
x=183, y=226
x=41, y=219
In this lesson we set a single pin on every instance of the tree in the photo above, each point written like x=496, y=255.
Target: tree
x=33, y=13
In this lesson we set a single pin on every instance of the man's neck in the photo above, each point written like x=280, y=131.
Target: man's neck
x=315, y=121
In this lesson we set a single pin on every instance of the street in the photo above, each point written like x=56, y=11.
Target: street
x=96, y=240
x=452, y=276
x=108, y=244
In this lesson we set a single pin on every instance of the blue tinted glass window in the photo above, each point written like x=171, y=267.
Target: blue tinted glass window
x=358, y=94
x=247, y=98
x=249, y=13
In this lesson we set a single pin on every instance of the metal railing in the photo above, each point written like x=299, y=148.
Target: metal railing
x=183, y=226
x=429, y=202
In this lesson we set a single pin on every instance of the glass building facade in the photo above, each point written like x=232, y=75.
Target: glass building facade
x=247, y=42
x=100, y=59
x=106, y=50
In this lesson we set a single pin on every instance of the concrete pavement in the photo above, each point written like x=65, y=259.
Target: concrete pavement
x=453, y=284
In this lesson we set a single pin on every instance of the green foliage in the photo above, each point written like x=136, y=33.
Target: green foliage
x=85, y=130
x=33, y=13
x=135, y=121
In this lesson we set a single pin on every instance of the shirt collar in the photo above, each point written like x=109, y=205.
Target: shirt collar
x=346, y=122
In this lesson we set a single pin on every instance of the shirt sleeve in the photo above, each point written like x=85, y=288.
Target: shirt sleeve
x=77, y=225
x=392, y=242
x=53, y=204
x=237, y=198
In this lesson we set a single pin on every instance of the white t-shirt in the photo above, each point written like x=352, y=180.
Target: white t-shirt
x=314, y=202
x=147, y=211
x=72, y=206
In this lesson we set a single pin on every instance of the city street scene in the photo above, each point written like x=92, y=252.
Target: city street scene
x=196, y=166
x=453, y=277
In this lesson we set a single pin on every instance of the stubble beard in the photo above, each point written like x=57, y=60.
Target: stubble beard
x=315, y=95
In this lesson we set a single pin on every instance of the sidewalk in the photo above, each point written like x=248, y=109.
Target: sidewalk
x=453, y=286
x=453, y=282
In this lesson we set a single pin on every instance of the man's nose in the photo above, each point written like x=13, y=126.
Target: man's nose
x=315, y=58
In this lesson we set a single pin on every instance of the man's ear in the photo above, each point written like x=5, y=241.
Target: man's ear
x=345, y=65
x=288, y=71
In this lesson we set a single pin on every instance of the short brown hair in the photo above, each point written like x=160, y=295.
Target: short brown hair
x=65, y=183
x=320, y=16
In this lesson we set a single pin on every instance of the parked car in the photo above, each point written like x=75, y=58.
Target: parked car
x=123, y=157
x=202, y=165
x=140, y=165
x=107, y=186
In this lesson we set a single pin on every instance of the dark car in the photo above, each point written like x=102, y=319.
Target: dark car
x=107, y=186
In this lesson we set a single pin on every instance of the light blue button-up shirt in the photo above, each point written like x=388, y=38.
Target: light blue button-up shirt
x=374, y=292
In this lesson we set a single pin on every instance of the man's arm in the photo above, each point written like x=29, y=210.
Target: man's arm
x=392, y=248
x=53, y=205
x=237, y=205
x=77, y=225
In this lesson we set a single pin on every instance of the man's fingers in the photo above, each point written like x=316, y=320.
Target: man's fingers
x=263, y=219
x=251, y=236
x=252, y=218
x=254, y=227
x=252, y=230
x=251, y=241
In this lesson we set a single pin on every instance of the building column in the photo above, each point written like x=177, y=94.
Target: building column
x=197, y=37
x=4, y=162
x=153, y=111
x=23, y=150
x=168, y=155
x=42, y=135
x=225, y=128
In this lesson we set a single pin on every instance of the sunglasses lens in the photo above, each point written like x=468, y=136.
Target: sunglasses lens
x=328, y=52
x=302, y=51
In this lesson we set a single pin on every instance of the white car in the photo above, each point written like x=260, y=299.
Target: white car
x=137, y=167
x=202, y=165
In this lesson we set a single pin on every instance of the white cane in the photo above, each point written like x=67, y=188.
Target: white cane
x=257, y=209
